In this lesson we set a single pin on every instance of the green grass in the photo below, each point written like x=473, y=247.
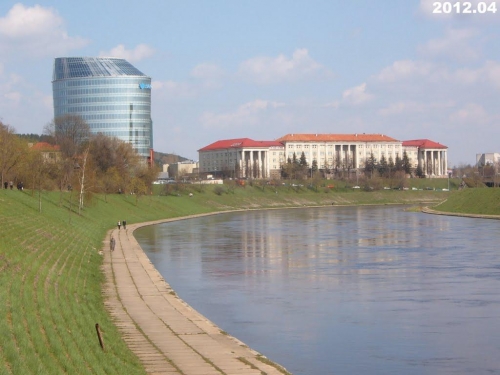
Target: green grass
x=485, y=201
x=50, y=267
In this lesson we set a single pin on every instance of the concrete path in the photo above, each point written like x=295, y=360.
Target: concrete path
x=167, y=335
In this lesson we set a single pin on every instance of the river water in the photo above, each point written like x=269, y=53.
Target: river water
x=343, y=290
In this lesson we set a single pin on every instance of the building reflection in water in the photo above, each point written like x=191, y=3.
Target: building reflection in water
x=342, y=289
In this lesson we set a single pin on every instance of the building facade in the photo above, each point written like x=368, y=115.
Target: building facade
x=182, y=168
x=489, y=158
x=242, y=158
x=431, y=157
x=263, y=159
x=349, y=151
x=110, y=94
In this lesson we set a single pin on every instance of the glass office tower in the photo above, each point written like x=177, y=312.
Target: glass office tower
x=110, y=94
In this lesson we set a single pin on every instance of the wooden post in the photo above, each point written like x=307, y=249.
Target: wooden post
x=99, y=336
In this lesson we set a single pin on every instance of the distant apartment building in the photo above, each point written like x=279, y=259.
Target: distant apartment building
x=349, y=151
x=182, y=168
x=242, y=158
x=490, y=158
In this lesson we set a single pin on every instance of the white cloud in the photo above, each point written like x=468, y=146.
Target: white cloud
x=405, y=69
x=489, y=73
x=246, y=114
x=35, y=31
x=266, y=70
x=456, y=43
x=356, y=95
x=334, y=104
x=140, y=52
x=411, y=107
x=471, y=114
x=175, y=90
x=210, y=74
x=207, y=71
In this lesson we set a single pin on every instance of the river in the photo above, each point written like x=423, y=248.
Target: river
x=343, y=290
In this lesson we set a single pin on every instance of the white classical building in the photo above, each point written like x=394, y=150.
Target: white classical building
x=242, y=157
x=432, y=157
x=347, y=150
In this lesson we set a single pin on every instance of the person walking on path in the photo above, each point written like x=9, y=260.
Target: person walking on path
x=112, y=244
x=119, y=225
x=124, y=224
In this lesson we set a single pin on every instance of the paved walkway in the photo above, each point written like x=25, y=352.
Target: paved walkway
x=167, y=335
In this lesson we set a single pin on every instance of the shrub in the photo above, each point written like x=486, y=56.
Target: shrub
x=219, y=190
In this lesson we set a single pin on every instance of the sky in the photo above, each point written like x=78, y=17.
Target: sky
x=261, y=69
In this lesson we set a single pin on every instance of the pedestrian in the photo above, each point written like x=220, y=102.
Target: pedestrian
x=119, y=225
x=6, y=184
x=124, y=224
x=112, y=244
x=11, y=185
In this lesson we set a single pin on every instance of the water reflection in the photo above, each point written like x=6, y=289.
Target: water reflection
x=343, y=290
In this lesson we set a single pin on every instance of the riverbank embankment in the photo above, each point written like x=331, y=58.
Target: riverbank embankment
x=166, y=334
x=51, y=266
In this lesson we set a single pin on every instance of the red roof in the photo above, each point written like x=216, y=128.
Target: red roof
x=337, y=138
x=44, y=146
x=423, y=143
x=240, y=143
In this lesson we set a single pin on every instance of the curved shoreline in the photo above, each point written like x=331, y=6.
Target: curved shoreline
x=428, y=210
x=167, y=335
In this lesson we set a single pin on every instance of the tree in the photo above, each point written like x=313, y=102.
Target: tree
x=138, y=188
x=70, y=132
x=314, y=166
x=406, y=163
x=82, y=179
x=398, y=163
x=12, y=149
x=337, y=163
x=382, y=166
x=303, y=160
x=370, y=165
x=419, y=171
x=391, y=166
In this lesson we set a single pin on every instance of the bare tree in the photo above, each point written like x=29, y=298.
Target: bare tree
x=82, y=179
x=70, y=132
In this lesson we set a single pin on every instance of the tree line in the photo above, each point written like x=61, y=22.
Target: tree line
x=298, y=167
x=81, y=162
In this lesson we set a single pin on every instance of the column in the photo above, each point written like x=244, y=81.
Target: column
x=259, y=161
x=426, y=166
x=439, y=163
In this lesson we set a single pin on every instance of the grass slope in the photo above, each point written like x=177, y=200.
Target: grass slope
x=485, y=201
x=50, y=275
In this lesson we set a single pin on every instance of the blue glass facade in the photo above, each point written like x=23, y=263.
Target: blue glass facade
x=110, y=94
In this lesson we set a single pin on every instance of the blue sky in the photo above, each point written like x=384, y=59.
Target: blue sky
x=262, y=69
